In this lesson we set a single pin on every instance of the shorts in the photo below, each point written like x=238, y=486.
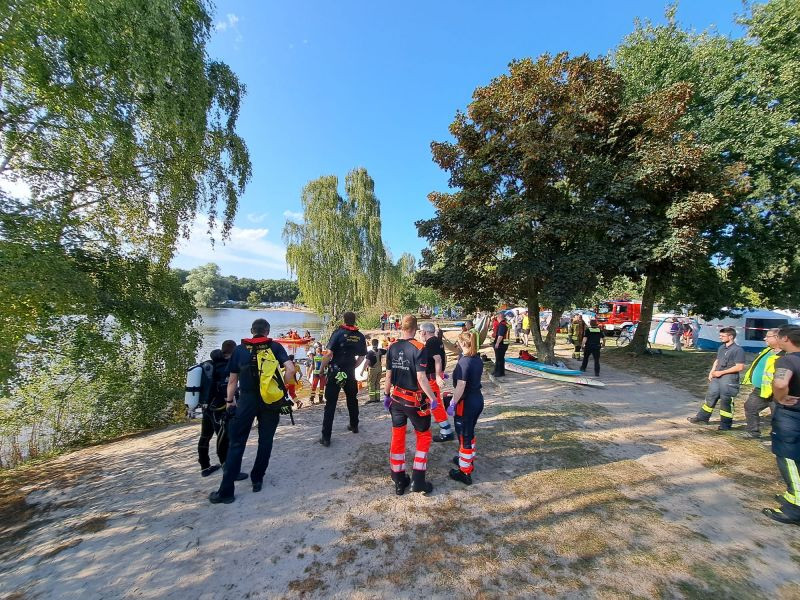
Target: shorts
x=526, y=331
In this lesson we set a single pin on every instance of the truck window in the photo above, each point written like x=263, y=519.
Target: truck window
x=622, y=308
x=604, y=308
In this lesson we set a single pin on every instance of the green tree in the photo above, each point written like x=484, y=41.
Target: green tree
x=254, y=298
x=337, y=251
x=744, y=107
x=121, y=131
x=207, y=286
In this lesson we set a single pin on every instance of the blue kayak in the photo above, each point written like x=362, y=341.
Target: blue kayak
x=543, y=367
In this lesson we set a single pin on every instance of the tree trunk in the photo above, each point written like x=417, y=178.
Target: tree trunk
x=639, y=341
x=545, y=347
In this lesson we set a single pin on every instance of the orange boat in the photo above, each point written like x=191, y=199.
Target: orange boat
x=297, y=341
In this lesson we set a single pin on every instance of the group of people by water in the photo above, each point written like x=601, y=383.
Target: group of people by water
x=412, y=391
x=415, y=371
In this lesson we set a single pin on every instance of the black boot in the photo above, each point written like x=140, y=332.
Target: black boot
x=418, y=483
x=401, y=482
x=459, y=475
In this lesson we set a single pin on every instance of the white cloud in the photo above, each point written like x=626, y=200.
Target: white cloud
x=247, y=252
x=231, y=22
x=232, y=19
x=257, y=217
x=294, y=216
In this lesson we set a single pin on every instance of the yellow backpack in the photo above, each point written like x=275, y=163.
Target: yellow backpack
x=266, y=368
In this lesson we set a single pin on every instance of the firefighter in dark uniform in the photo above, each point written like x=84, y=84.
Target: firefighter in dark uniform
x=723, y=381
x=593, y=340
x=501, y=342
x=408, y=397
x=786, y=425
x=214, y=413
x=345, y=350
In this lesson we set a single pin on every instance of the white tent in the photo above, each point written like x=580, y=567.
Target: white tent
x=660, y=325
x=750, y=325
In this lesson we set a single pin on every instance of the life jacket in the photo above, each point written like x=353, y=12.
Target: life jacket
x=266, y=369
x=525, y=355
x=317, y=370
x=507, y=337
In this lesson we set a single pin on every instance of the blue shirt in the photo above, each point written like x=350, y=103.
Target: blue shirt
x=241, y=362
x=470, y=370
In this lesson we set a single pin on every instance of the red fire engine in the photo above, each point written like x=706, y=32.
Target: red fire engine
x=613, y=315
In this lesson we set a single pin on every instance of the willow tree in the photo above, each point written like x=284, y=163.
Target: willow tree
x=337, y=252
x=115, y=132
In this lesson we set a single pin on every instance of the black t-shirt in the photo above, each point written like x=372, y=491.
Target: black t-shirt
x=346, y=343
x=791, y=361
x=241, y=360
x=593, y=336
x=434, y=347
x=405, y=359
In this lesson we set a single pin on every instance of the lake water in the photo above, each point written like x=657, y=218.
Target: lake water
x=220, y=324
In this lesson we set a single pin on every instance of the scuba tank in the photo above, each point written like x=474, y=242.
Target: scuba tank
x=198, y=385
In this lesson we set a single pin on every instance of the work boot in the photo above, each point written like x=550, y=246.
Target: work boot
x=209, y=470
x=401, y=482
x=241, y=477
x=776, y=514
x=458, y=464
x=697, y=420
x=257, y=485
x=324, y=441
x=353, y=428
x=444, y=438
x=418, y=483
x=459, y=475
x=215, y=498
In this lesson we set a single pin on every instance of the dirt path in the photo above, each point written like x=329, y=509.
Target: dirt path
x=578, y=493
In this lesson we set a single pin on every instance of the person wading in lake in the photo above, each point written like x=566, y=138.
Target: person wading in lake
x=408, y=397
x=245, y=375
x=346, y=348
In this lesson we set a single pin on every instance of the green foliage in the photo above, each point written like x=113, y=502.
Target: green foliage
x=121, y=130
x=206, y=286
x=337, y=251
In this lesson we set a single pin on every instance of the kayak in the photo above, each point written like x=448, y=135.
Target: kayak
x=515, y=368
x=296, y=341
x=543, y=367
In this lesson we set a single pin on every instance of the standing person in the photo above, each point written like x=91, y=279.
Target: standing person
x=214, y=414
x=575, y=333
x=466, y=406
x=372, y=361
x=526, y=328
x=384, y=318
x=495, y=324
x=397, y=323
x=687, y=335
x=318, y=374
x=437, y=359
x=345, y=349
x=501, y=342
x=408, y=397
x=786, y=425
x=593, y=339
x=723, y=381
x=760, y=375
x=246, y=374
x=518, y=328
x=676, y=331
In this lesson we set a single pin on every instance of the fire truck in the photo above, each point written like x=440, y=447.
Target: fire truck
x=613, y=315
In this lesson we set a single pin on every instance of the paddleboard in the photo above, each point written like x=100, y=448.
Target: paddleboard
x=554, y=376
x=543, y=367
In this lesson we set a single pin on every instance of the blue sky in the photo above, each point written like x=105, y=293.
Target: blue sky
x=336, y=85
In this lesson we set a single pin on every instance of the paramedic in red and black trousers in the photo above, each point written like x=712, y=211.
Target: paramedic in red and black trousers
x=786, y=425
x=346, y=348
x=501, y=343
x=466, y=405
x=435, y=373
x=244, y=375
x=408, y=397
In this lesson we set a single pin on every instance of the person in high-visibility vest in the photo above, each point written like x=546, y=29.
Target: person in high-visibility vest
x=760, y=376
x=593, y=339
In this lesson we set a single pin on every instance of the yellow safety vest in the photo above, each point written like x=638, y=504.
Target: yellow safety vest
x=765, y=391
x=526, y=322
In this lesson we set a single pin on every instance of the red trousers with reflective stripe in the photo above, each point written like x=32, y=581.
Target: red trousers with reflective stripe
x=439, y=413
x=401, y=414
